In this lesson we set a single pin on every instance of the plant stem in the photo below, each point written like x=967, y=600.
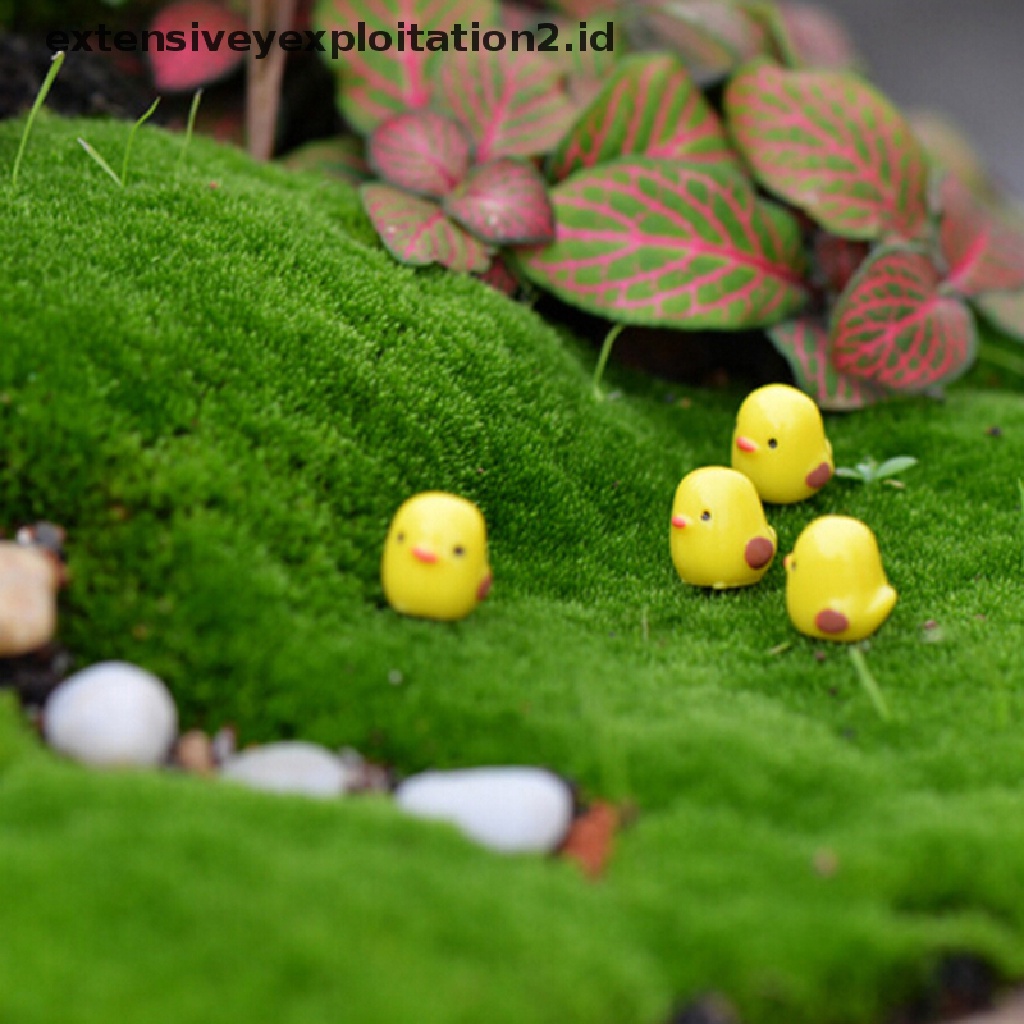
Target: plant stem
x=131, y=138
x=988, y=352
x=99, y=160
x=602, y=359
x=189, y=125
x=58, y=59
x=868, y=683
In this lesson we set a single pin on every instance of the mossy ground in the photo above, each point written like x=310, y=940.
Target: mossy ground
x=223, y=388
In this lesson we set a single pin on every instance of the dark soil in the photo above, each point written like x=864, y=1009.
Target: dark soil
x=89, y=84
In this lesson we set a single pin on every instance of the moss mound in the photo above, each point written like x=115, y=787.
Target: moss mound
x=223, y=388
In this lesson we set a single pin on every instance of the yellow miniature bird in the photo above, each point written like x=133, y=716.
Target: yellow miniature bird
x=780, y=443
x=835, y=584
x=435, y=564
x=719, y=536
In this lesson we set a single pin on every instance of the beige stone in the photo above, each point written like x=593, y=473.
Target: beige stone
x=29, y=579
x=194, y=753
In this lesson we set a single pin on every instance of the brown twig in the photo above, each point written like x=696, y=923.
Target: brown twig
x=263, y=88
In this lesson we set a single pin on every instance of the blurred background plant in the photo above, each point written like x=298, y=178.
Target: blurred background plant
x=710, y=166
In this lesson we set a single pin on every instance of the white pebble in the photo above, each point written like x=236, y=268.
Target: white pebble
x=511, y=809
x=289, y=767
x=111, y=714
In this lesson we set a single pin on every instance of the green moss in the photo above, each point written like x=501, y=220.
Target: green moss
x=224, y=393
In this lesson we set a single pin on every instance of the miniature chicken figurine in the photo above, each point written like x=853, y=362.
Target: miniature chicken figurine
x=435, y=557
x=835, y=584
x=780, y=443
x=719, y=536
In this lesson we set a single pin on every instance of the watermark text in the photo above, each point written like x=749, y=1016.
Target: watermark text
x=546, y=37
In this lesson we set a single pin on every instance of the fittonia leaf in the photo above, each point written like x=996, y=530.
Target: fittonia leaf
x=509, y=103
x=809, y=36
x=185, y=70
x=804, y=343
x=710, y=37
x=500, y=278
x=649, y=241
x=651, y=107
x=837, y=259
x=376, y=83
x=982, y=253
x=586, y=71
x=894, y=324
x=416, y=230
x=829, y=143
x=504, y=202
x=420, y=150
x=343, y=158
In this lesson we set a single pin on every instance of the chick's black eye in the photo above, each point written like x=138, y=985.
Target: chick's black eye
x=458, y=550
x=773, y=442
x=400, y=537
x=706, y=516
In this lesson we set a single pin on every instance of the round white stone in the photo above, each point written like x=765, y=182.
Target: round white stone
x=289, y=767
x=511, y=809
x=111, y=714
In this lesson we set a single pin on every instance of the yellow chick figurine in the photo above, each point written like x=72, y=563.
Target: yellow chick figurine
x=835, y=584
x=780, y=443
x=719, y=536
x=435, y=557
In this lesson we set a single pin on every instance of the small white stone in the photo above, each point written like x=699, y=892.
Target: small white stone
x=111, y=714
x=289, y=767
x=511, y=809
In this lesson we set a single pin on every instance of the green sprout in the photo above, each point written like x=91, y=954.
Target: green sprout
x=131, y=138
x=190, y=124
x=58, y=60
x=123, y=179
x=602, y=359
x=869, y=683
x=868, y=471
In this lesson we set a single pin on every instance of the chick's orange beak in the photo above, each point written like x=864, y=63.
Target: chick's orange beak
x=786, y=561
x=745, y=444
x=680, y=522
x=424, y=555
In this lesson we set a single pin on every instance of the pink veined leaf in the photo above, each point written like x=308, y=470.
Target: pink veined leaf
x=838, y=259
x=710, y=37
x=500, y=278
x=511, y=103
x=829, y=143
x=896, y=327
x=813, y=37
x=586, y=70
x=420, y=150
x=1004, y=310
x=211, y=60
x=949, y=148
x=504, y=202
x=416, y=230
x=804, y=343
x=376, y=83
x=342, y=157
x=982, y=253
x=663, y=242
x=518, y=17
x=581, y=9
x=650, y=106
